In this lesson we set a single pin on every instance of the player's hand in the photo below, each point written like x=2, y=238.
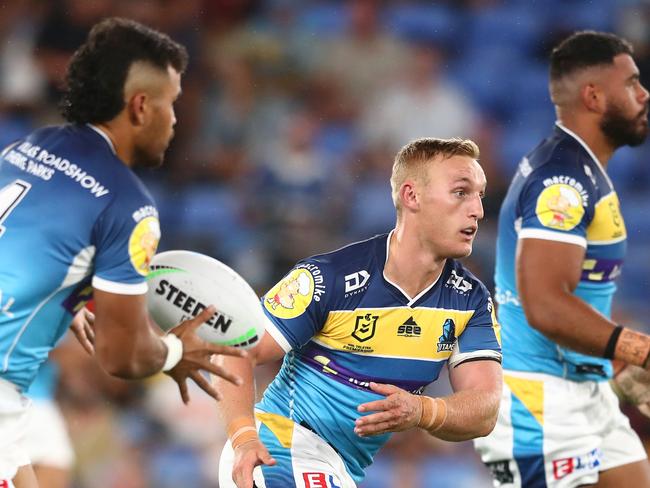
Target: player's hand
x=82, y=327
x=196, y=357
x=247, y=456
x=399, y=411
x=633, y=384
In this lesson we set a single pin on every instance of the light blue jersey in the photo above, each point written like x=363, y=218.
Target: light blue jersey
x=72, y=217
x=43, y=388
x=343, y=324
x=560, y=193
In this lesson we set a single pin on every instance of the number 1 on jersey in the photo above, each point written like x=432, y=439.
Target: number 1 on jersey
x=10, y=196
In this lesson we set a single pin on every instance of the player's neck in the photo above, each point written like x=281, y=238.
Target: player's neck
x=121, y=140
x=410, y=265
x=592, y=136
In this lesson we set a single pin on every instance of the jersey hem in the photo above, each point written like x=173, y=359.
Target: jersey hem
x=119, y=288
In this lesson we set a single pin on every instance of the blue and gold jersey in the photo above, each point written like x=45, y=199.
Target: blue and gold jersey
x=343, y=325
x=560, y=193
x=72, y=217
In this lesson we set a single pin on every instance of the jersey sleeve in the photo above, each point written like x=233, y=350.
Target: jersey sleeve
x=296, y=305
x=556, y=204
x=481, y=338
x=125, y=237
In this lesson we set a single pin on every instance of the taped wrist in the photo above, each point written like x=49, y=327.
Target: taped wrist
x=632, y=347
x=174, y=351
x=241, y=431
x=434, y=413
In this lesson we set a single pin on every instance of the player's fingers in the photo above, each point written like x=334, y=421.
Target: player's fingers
x=226, y=350
x=375, y=429
x=203, y=317
x=80, y=334
x=376, y=406
x=87, y=345
x=182, y=387
x=220, y=371
x=205, y=385
x=384, y=389
x=90, y=332
x=267, y=459
x=376, y=418
x=90, y=317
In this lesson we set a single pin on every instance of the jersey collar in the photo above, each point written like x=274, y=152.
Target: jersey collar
x=104, y=135
x=588, y=149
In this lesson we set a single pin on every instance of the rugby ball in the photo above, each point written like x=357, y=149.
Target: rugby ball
x=181, y=284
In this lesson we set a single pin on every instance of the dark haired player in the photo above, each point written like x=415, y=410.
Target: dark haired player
x=560, y=247
x=74, y=219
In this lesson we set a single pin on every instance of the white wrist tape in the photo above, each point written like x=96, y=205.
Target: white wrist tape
x=174, y=351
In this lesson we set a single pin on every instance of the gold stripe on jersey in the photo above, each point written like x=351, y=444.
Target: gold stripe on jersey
x=281, y=427
x=607, y=224
x=530, y=393
x=400, y=332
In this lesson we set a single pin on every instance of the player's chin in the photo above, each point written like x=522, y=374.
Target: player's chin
x=461, y=251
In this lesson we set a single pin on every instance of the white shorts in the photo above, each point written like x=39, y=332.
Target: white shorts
x=304, y=460
x=553, y=432
x=46, y=440
x=14, y=416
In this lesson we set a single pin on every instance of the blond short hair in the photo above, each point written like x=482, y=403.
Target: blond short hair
x=412, y=159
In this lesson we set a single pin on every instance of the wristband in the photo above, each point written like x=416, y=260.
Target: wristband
x=241, y=431
x=611, y=343
x=174, y=351
x=434, y=413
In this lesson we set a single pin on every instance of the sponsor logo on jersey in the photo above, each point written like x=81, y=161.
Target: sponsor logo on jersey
x=565, y=466
x=560, y=207
x=144, y=212
x=143, y=244
x=409, y=328
x=501, y=472
x=458, y=283
x=292, y=295
x=364, y=327
x=448, y=338
x=321, y=480
x=356, y=282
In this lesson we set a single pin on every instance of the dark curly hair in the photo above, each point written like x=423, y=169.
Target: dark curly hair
x=585, y=49
x=95, y=78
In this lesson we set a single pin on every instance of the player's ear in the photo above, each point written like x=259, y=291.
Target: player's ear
x=593, y=98
x=409, y=196
x=136, y=108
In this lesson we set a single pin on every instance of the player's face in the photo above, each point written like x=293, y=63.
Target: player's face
x=625, y=121
x=155, y=138
x=451, y=205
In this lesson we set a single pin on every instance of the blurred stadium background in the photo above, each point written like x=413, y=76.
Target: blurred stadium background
x=291, y=113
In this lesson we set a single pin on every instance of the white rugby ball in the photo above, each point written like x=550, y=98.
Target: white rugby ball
x=183, y=283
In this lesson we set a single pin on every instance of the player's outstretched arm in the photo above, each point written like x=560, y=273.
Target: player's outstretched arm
x=470, y=412
x=236, y=410
x=128, y=346
x=547, y=274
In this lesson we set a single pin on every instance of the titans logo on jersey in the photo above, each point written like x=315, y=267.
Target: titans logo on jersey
x=343, y=325
x=560, y=193
x=72, y=217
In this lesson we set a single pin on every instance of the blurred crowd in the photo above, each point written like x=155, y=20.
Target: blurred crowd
x=291, y=113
